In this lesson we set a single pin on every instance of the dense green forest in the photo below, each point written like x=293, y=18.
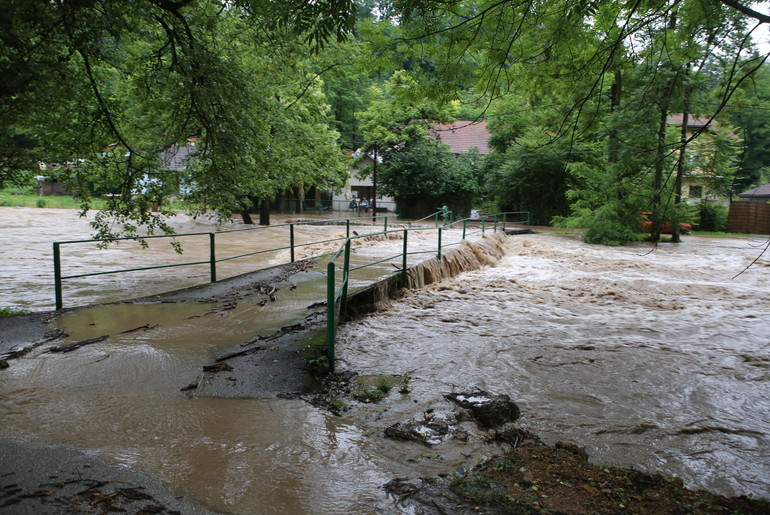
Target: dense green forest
x=579, y=97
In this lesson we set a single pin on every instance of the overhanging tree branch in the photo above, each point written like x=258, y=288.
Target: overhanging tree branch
x=764, y=18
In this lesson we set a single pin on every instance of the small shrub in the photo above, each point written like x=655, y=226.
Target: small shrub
x=383, y=385
x=41, y=203
x=338, y=404
x=713, y=217
x=404, y=388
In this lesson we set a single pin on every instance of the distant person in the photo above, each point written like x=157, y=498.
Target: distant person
x=364, y=205
x=353, y=205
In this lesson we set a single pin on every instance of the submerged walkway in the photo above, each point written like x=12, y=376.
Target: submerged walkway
x=118, y=380
x=269, y=324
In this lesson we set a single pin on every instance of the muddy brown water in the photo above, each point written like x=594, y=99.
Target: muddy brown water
x=121, y=398
x=659, y=361
x=26, y=256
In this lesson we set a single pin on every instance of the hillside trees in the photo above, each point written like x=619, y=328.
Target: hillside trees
x=600, y=65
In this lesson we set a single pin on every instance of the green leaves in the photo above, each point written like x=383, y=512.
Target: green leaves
x=428, y=169
x=110, y=85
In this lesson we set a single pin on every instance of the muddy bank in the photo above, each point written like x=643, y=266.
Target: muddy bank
x=57, y=479
x=533, y=478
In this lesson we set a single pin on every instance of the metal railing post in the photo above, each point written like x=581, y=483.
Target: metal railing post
x=403, y=261
x=483, y=224
x=465, y=226
x=439, y=243
x=496, y=223
x=291, y=241
x=330, y=316
x=385, y=227
x=213, y=256
x=345, y=280
x=57, y=274
x=347, y=228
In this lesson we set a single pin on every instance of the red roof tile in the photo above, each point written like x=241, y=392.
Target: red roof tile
x=462, y=135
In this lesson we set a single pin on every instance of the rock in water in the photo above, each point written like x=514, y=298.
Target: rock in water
x=488, y=410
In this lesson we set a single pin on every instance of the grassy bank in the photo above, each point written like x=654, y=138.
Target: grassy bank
x=18, y=197
x=26, y=197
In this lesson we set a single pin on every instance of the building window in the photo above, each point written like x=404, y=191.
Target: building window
x=696, y=191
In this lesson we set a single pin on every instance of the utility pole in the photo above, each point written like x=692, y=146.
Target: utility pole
x=374, y=186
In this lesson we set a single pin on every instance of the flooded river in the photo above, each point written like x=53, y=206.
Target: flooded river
x=655, y=360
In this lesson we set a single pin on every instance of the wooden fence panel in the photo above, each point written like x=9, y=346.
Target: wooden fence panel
x=749, y=217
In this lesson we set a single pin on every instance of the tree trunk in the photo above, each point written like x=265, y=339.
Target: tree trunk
x=612, y=152
x=301, y=195
x=660, y=155
x=680, y=166
x=660, y=161
x=246, y=217
x=264, y=212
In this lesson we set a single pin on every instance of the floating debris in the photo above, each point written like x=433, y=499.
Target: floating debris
x=77, y=345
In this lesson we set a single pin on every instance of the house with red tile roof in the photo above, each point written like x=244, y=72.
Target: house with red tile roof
x=462, y=136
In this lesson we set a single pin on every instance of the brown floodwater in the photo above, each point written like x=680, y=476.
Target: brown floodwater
x=26, y=256
x=121, y=399
x=657, y=360
x=654, y=360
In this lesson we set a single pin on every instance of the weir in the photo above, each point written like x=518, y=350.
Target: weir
x=283, y=363
x=471, y=255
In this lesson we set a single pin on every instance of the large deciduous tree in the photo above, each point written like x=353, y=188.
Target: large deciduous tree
x=101, y=88
x=396, y=122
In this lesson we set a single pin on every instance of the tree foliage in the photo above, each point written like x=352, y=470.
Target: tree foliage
x=100, y=89
x=425, y=176
x=605, y=71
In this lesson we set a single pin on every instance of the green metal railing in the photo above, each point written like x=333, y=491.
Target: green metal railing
x=338, y=295
x=334, y=295
x=212, y=261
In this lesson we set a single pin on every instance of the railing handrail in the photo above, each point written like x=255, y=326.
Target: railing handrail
x=58, y=277
x=334, y=295
x=432, y=215
x=225, y=231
